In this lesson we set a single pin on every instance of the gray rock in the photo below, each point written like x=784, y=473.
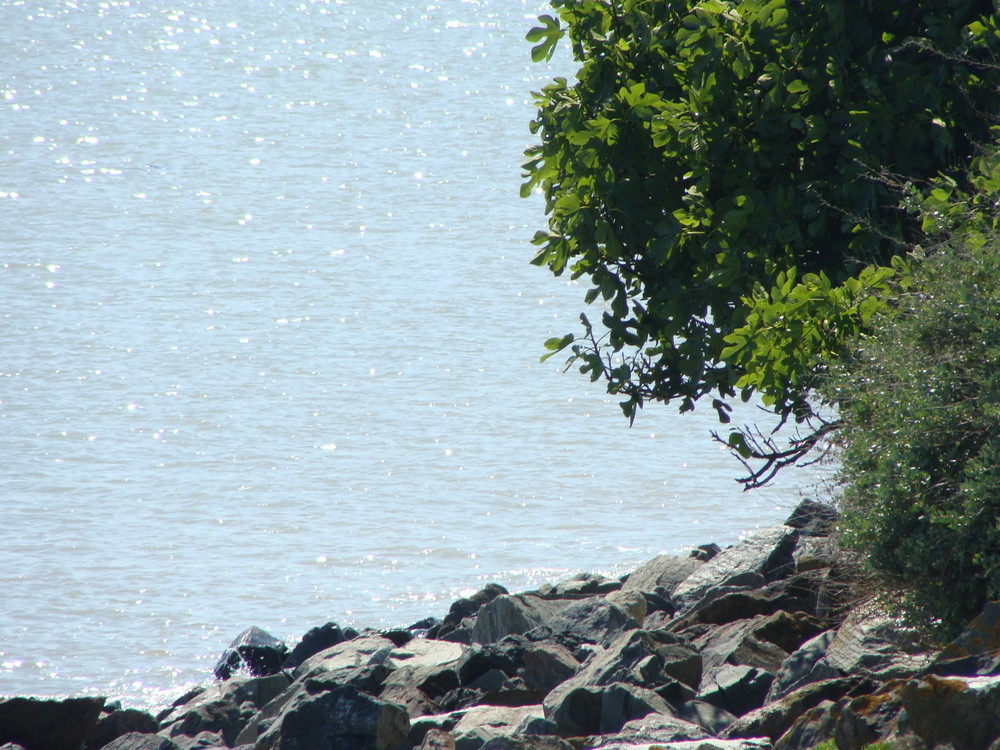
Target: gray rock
x=546, y=665
x=711, y=718
x=811, y=728
x=813, y=518
x=767, y=552
x=591, y=620
x=254, y=650
x=513, y=615
x=438, y=739
x=735, y=644
x=141, y=741
x=342, y=718
x=579, y=586
x=49, y=724
x=872, y=643
x=481, y=724
x=527, y=743
x=804, y=666
x=665, y=572
x=622, y=703
x=203, y=741
x=656, y=729
x=464, y=609
x=576, y=711
x=737, y=688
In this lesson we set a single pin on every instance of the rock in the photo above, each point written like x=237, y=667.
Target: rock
x=776, y=717
x=547, y=665
x=621, y=703
x=513, y=615
x=655, y=729
x=767, y=552
x=203, y=741
x=735, y=644
x=213, y=711
x=811, y=728
x=540, y=742
x=342, y=718
x=579, y=586
x=481, y=724
x=362, y=651
x=464, y=608
x=141, y=741
x=119, y=722
x=705, y=552
x=736, y=688
x=591, y=620
x=813, y=518
x=48, y=724
x=576, y=711
x=963, y=712
x=665, y=572
x=976, y=651
x=256, y=651
x=804, y=666
x=788, y=630
x=315, y=640
x=438, y=739
x=712, y=719
x=873, y=643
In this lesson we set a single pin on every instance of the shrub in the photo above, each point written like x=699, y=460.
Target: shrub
x=920, y=401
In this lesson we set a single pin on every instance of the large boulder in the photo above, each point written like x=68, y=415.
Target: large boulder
x=963, y=712
x=871, y=642
x=766, y=553
x=736, y=688
x=141, y=741
x=654, y=729
x=342, y=718
x=803, y=666
x=579, y=586
x=481, y=724
x=465, y=608
x=254, y=650
x=513, y=615
x=591, y=620
x=976, y=651
x=775, y=718
x=48, y=724
x=662, y=574
x=813, y=518
x=735, y=643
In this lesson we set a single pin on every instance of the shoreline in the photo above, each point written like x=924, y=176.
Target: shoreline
x=760, y=645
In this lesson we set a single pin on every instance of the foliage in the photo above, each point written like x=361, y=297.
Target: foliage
x=716, y=172
x=920, y=402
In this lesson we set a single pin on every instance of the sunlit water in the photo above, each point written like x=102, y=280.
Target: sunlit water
x=270, y=339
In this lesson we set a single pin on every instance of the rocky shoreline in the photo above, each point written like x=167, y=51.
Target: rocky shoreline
x=761, y=645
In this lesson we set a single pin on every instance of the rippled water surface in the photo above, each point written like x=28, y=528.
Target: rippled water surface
x=270, y=339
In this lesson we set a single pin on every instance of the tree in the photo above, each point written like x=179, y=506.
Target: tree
x=727, y=175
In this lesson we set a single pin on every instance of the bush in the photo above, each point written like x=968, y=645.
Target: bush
x=920, y=402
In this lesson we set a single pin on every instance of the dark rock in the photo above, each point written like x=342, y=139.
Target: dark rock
x=48, y=724
x=788, y=630
x=256, y=651
x=141, y=741
x=115, y=724
x=775, y=718
x=342, y=718
x=576, y=711
x=767, y=552
x=317, y=639
x=706, y=552
x=737, y=688
x=398, y=637
x=463, y=608
x=976, y=651
x=481, y=724
x=183, y=700
x=513, y=615
x=813, y=518
x=219, y=714
x=506, y=655
x=203, y=741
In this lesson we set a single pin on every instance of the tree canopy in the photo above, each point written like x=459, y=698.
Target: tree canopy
x=732, y=178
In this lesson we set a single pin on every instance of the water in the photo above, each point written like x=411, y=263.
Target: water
x=270, y=339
